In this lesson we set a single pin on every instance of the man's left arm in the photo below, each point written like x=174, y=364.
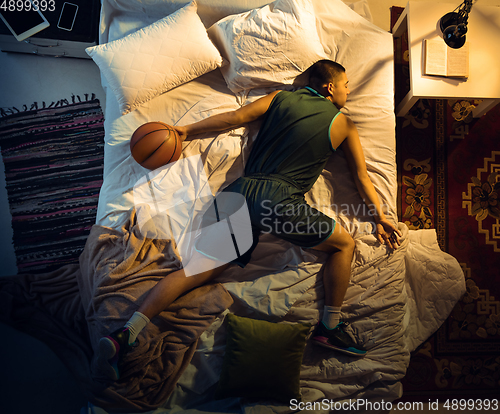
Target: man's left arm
x=228, y=120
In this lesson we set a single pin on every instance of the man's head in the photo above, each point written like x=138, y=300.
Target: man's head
x=330, y=80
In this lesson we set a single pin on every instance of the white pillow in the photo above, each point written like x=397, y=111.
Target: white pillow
x=156, y=58
x=268, y=46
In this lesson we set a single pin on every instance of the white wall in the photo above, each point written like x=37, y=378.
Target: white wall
x=380, y=9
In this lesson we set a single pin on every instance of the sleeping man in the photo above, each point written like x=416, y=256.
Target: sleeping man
x=300, y=131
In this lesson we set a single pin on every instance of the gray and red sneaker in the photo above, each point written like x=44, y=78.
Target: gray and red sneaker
x=337, y=339
x=111, y=349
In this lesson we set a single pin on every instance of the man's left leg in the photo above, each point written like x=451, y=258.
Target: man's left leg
x=113, y=346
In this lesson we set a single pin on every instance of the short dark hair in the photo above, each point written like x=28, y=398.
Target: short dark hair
x=323, y=72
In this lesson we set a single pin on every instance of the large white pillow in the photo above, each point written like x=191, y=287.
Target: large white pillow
x=268, y=46
x=156, y=58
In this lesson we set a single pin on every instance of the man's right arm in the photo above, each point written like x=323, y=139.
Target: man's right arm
x=228, y=120
x=345, y=134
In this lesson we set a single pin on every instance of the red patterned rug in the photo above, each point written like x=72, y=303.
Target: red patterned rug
x=449, y=172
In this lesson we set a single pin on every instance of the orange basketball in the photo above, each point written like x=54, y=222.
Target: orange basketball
x=155, y=144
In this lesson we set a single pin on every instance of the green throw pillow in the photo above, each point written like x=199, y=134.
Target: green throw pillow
x=262, y=359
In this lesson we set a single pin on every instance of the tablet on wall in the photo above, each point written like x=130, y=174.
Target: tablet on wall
x=25, y=21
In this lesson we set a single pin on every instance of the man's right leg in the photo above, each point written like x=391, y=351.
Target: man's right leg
x=336, y=275
x=337, y=272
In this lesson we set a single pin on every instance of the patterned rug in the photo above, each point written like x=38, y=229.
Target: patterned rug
x=53, y=160
x=449, y=171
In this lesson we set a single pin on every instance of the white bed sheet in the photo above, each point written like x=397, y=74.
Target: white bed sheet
x=395, y=300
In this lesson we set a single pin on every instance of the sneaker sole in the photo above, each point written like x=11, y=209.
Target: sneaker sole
x=324, y=343
x=107, y=351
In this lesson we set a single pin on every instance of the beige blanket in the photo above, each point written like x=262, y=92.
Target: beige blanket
x=71, y=308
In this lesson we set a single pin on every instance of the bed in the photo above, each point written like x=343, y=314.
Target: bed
x=396, y=299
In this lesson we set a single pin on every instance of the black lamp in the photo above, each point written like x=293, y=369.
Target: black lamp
x=454, y=25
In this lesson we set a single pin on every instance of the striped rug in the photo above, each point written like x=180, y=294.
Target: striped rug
x=53, y=159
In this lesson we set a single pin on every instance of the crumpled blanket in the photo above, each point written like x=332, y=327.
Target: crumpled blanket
x=71, y=308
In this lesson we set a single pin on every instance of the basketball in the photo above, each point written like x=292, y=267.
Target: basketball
x=155, y=144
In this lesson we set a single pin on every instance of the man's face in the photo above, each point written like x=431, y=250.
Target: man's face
x=339, y=90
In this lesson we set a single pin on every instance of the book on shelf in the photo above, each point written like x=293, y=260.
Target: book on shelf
x=442, y=60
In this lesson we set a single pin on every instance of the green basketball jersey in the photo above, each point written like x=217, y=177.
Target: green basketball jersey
x=294, y=139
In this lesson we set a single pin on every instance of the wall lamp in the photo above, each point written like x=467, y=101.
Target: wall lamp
x=454, y=25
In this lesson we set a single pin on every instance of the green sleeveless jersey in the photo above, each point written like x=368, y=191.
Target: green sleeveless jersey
x=294, y=139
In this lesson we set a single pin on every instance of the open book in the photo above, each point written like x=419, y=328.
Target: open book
x=442, y=60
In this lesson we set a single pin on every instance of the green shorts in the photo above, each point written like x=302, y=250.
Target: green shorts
x=276, y=205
